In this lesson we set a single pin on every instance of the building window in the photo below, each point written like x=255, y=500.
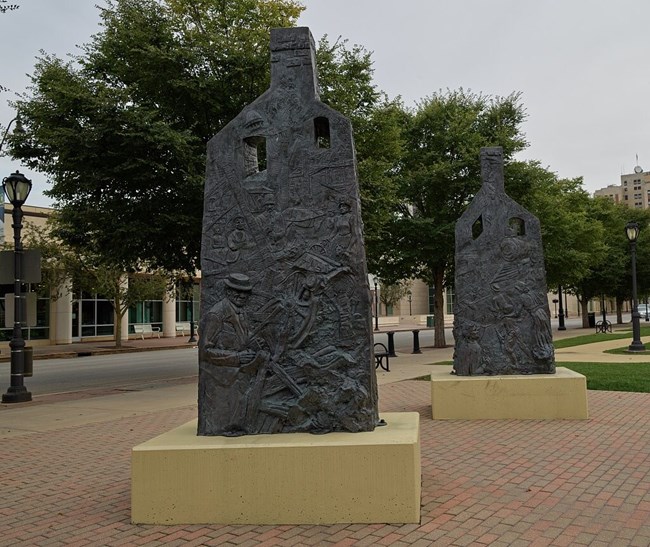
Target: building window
x=183, y=304
x=97, y=317
x=148, y=312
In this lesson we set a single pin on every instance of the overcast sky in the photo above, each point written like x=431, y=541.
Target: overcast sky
x=581, y=65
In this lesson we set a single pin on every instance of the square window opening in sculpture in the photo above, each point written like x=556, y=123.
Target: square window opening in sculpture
x=254, y=155
x=477, y=227
x=517, y=226
x=322, y=132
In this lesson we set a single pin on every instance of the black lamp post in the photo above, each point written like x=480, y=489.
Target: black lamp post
x=17, y=188
x=632, y=233
x=560, y=312
x=374, y=280
x=647, y=318
x=555, y=307
x=566, y=305
x=192, y=339
x=410, y=297
x=17, y=129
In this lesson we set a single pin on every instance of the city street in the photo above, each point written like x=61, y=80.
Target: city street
x=124, y=370
x=144, y=370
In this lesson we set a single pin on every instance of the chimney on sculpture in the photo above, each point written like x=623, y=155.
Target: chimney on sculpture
x=502, y=322
x=286, y=340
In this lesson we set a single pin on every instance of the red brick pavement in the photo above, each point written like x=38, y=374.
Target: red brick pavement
x=514, y=483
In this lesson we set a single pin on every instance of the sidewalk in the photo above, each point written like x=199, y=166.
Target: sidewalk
x=66, y=467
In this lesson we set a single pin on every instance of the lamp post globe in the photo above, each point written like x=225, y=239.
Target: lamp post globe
x=17, y=187
x=632, y=233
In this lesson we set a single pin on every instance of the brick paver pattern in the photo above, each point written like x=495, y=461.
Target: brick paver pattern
x=514, y=483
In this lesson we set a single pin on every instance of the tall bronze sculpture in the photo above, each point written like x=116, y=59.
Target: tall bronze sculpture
x=286, y=340
x=501, y=315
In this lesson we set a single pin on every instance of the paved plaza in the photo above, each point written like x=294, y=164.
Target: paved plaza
x=65, y=464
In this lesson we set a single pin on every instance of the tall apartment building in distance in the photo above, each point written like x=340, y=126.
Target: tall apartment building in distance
x=634, y=190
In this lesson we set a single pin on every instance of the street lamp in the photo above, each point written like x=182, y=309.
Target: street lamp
x=410, y=297
x=560, y=312
x=632, y=233
x=192, y=339
x=17, y=188
x=17, y=129
x=374, y=280
x=555, y=307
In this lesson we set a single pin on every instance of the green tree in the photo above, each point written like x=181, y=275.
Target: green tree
x=5, y=6
x=122, y=130
x=345, y=75
x=609, y=272
x=438, y=175
x=572, y=242
x=392, y=294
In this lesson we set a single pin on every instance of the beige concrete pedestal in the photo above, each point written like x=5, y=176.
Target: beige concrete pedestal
x=559, y=396
x=296, y=478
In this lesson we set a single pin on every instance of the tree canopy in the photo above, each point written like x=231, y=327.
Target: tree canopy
x=5, y=6
x=438, y=174
x=122, y=129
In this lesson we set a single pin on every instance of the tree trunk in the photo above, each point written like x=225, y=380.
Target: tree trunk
x=584, y=303
x=117, y=307
x=438, y=309
x=619, y=310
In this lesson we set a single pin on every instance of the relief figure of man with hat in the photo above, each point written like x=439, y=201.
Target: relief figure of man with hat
x=230, y=346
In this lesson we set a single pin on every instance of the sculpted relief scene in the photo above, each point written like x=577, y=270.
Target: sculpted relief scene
x=286, y=336
x=502, y=323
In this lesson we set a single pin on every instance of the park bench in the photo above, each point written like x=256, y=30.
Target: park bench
x=416, y=339
x=604, y=326
x=381, y=353
x=182, y=328
x=143, y=329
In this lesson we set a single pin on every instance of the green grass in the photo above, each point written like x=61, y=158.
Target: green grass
x=603, y=376
x=600, y=337
x=614, y=376
x=589, y=339
x=624, y=351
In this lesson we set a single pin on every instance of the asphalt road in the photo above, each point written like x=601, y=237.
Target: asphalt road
x=122, y=371
x=141, y=370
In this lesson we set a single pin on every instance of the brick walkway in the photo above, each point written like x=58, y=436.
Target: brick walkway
x=484, y=483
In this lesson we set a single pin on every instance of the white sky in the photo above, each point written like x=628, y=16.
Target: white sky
x=581, y=65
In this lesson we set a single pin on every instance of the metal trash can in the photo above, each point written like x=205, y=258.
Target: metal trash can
x=28, y=368
x=591, y=317
x=429, y=320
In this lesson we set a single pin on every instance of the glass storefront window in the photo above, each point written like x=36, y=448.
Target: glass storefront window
x=184, y=306
x=97, y=317
x=148, y=312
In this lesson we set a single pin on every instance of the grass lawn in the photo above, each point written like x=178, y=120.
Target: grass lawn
x=600, y=337
x=624, y=351
x=604, y=376
x=614, y=376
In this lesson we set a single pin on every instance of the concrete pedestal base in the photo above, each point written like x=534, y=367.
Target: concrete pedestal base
x=558, y=396
x=296, y=478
